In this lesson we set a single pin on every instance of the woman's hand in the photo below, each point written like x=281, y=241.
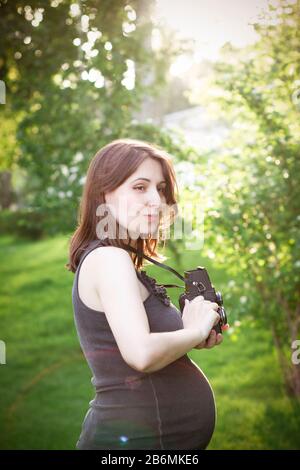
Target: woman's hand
x=200, y=315
x=214, y=339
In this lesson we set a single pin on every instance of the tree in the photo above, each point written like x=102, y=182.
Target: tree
x=254, y=219
x=69, y=69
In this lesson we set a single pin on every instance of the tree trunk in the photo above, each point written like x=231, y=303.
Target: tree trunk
x=294, y=380
x=6, y=191
x=291, y=372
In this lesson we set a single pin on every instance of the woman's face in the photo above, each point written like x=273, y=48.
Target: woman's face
x=142, y=194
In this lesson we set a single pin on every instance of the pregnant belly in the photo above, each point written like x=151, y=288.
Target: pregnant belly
x=172, y=408
x=186, y=404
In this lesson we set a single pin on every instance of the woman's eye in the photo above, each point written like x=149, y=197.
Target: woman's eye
x=143, y=187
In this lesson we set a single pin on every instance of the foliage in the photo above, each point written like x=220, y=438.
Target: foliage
x=45, y=366
x=253, y=213
x=75, y=75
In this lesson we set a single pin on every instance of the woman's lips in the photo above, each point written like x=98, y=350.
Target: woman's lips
x=152, y=218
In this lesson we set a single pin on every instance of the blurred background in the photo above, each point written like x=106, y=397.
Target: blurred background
x=217, y=84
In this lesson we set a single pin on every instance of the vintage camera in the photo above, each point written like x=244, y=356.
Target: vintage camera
x=197, y=283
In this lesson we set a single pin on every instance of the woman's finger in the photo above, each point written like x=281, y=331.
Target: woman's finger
x=215, y=306
x=219, y=338
x=211, y=340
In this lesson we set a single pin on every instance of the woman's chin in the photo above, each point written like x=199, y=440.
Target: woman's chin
x=150, y=232
x=145, y=230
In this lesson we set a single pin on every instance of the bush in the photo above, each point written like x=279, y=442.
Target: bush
x=25, y=223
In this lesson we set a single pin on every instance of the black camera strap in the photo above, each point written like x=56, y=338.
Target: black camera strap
x=161, y=265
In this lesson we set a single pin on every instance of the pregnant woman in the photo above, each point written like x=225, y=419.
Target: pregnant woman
x=148, y=393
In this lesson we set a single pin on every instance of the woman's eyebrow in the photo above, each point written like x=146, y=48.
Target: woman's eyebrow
x=146, y=179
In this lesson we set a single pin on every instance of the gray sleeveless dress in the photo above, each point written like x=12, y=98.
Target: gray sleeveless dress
x=172, y=408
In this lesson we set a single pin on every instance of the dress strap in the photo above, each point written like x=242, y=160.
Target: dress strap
x=157, y=289
x=90, y=247
x=150, y=282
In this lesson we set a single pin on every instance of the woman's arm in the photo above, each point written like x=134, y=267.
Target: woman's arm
x=116, y=282
x=164, y=348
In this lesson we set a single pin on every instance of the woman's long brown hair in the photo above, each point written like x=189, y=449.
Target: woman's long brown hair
x=109, y=168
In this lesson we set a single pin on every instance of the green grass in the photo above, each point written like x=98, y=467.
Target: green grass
x=45, y=385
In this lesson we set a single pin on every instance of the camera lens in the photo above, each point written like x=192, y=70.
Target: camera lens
x=219, y=298
x=223, y=316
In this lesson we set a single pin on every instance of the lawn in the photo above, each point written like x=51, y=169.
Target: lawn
x=46, y=384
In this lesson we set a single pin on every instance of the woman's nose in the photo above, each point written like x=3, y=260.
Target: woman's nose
x=154, y=198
